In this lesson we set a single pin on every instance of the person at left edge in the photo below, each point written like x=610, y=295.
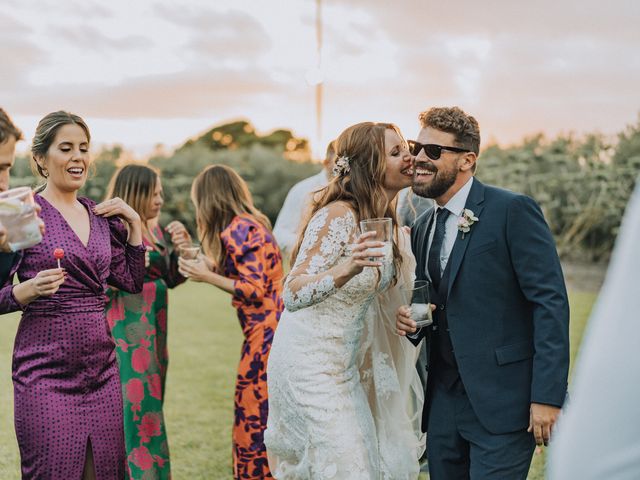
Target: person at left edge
x=67, y=397
x=9, y=136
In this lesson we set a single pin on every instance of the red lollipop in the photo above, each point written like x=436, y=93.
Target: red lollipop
x=58, y=254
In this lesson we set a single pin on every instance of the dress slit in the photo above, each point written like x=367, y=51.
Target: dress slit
x=88, y=448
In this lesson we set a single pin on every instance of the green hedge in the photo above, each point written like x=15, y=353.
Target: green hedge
x=582, y=183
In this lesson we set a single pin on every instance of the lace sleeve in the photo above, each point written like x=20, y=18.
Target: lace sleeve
x=326, y=237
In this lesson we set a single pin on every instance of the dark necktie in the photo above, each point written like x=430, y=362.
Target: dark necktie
x=433, y=263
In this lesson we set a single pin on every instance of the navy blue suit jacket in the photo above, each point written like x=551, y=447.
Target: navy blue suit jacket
x=6, y=263
x=507, y=307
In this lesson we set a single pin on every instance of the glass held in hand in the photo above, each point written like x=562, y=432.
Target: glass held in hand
x=189, y=251
x=19, y=218
x=383, y=228
x=416, y=295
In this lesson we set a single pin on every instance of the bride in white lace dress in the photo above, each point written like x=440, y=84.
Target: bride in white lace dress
x=344, y=395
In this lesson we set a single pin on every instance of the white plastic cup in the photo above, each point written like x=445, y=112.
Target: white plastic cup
x=19, y=218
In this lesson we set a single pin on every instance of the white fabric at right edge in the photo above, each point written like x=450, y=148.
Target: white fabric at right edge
x=598, y=436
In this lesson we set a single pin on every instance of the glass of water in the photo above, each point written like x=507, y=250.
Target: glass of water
x=416, y=295
x=19, y=218
x=383, y=228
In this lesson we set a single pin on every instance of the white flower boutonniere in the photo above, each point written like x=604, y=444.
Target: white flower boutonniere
x=466, y=220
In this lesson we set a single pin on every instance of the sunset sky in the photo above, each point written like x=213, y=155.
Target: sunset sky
x=155, y=71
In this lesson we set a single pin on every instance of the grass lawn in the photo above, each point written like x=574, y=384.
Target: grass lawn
x=204, y=343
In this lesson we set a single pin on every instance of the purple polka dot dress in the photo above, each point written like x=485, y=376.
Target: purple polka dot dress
x=65, y=376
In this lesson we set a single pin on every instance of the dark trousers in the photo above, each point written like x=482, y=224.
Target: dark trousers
x=459, y=447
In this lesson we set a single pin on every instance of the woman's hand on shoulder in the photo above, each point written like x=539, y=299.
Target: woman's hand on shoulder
x=117, y=207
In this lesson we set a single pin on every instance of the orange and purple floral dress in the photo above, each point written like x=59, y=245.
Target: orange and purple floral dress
x=254, y=261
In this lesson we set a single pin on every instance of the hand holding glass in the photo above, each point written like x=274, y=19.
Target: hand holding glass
x=382, y=228
x=19, y=218
x=416, y=293
x=189, y=251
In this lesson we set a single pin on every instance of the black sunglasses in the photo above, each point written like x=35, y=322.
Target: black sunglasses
x=432, y=150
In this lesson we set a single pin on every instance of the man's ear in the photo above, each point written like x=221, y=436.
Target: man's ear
x=468, y=161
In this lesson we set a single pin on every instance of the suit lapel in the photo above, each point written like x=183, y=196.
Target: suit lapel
x=474, y=203
x=422, y=244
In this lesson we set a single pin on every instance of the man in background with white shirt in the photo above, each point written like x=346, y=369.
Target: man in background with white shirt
x=298, y=201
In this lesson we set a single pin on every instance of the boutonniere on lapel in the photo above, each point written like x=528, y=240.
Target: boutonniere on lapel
x=466, y=221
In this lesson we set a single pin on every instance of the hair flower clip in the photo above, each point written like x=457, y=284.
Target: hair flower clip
x=341, y=166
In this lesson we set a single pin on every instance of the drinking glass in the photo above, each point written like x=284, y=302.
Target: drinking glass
x=19, y=218
x=190, y=251
x=383, y=228
x=416, y=295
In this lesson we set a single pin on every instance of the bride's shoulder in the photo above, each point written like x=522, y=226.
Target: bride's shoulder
x=335, y=213
x=338, y=209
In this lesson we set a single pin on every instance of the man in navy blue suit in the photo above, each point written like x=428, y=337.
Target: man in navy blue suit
x=498, y=347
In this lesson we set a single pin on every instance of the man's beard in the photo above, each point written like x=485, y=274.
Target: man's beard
x=441, y=182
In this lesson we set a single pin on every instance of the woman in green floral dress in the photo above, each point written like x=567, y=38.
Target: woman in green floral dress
x=139, y=326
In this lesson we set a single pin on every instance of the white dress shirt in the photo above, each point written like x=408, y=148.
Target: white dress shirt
x=455, y=205
x=295, y=205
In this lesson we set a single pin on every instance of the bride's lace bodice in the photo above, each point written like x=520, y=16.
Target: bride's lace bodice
x=327, y=243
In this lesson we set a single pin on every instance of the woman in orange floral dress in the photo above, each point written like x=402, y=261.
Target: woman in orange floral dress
x=243, y=259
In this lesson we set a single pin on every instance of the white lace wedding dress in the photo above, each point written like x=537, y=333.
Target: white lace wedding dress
x=339, y=407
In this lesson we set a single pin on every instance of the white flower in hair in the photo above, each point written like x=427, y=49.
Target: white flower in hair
x=341, y=166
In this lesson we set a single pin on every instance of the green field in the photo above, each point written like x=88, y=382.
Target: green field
x=204, y=343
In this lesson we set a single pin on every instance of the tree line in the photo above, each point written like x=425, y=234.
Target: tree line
x=582, y=183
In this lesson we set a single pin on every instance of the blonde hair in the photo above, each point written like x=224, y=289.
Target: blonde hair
x=136, y=185
x=220, y=194
x=362, y=187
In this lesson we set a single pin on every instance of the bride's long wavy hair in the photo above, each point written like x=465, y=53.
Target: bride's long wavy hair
x=362, y=187
x=219, y=194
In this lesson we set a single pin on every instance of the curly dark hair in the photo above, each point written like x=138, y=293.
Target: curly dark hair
x=7, y=128
x=454, y=120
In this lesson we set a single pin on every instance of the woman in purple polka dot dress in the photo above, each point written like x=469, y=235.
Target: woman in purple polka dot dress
x=68, y=403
